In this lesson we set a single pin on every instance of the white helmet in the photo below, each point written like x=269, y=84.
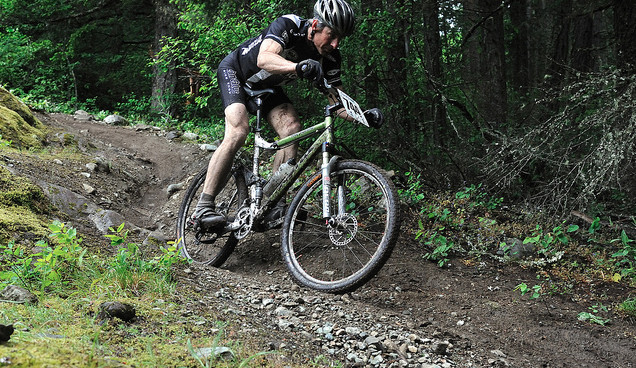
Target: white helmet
x=337, y=15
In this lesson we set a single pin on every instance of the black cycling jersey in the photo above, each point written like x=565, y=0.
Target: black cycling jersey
x=290, y=31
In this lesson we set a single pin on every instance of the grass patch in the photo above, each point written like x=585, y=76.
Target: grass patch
x=628, y=307
x=64, y=329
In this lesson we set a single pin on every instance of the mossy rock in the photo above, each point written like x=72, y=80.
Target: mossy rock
x=17, y=123
x=23, y=207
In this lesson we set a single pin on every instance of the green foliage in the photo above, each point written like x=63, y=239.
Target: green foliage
x=134, y=107
x=548, y=242
x=592, y=315
x=628, y=307
x=446, y=220
x=4, y=143
x=546, y=286
x=595, y=225
x=79, y=49
x=626, y=255
x=132, y=271
x=523, y=289
x=50, y=268
x=38, y=66
x=478, y=197
x=414, y=193
x=64, y=265
x=441, y=245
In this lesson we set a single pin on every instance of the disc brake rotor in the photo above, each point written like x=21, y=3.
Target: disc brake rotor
x=345, y=229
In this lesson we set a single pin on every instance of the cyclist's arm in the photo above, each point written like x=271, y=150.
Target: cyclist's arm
x=269, y=58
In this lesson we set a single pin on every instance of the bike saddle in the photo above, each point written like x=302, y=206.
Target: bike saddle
x=257, y=92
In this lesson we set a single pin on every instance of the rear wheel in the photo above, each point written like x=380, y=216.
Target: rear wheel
x=341, y=253
x=210, y=248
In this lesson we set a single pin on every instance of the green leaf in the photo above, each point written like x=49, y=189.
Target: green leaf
x=533, y=240
x=624, y=238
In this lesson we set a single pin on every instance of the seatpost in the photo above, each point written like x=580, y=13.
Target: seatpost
x=259, y=103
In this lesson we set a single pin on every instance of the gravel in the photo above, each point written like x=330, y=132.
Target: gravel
x=301, y=321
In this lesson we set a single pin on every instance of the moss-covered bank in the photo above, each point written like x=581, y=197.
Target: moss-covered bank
x=22, y=203
x=17, y=123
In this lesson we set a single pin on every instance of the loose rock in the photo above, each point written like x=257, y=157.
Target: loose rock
x=123, y=311
x=115, y=120
x=17, y=294
x=5, y=332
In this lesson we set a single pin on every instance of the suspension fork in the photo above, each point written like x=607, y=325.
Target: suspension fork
x=327, y=164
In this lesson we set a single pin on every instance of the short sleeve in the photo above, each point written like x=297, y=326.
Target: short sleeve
x=281, y=29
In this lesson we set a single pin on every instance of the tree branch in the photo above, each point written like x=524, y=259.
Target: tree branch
x=483, y=20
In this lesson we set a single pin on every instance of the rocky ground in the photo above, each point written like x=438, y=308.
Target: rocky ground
x=413, y=314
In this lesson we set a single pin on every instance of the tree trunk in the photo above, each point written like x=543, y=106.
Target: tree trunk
x=371, y=87
x=396, y=74
x=486, y=55
x=520, y=44
x=433, y=61
x=583, y=44
x=164, y=80
x=560, y=51
x=625, y=33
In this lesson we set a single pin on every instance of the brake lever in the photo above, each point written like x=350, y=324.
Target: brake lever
x=326, y=88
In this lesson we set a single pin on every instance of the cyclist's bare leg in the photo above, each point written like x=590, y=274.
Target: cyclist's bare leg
x=284, y=119
x=236, y=129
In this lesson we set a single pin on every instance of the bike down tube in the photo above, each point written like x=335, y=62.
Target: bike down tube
x=305, y=160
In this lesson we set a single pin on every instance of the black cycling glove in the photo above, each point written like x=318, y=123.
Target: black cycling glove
x=309, y=69
x=374, y=117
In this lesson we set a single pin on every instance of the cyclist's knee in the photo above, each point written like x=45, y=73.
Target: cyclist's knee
x=235, y=137
x=285, y=120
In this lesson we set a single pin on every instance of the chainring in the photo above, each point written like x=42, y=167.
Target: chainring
x=244, y=217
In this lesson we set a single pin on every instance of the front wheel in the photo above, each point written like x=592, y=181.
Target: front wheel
x=340, y=254
x=210, y=248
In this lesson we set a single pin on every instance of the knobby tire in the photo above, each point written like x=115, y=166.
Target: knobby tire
x=341, y=260
x=209, y=249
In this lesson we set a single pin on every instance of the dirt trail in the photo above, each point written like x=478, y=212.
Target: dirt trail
x=473, y=305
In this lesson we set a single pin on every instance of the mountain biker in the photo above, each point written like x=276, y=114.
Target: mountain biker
x=288, y=49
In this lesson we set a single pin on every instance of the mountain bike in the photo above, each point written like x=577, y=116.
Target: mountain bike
x=341, y=225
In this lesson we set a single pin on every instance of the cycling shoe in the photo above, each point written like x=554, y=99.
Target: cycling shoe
x=207, y=219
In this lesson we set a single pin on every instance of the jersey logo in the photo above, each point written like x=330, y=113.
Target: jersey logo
x=252, y=45
x=333, y=72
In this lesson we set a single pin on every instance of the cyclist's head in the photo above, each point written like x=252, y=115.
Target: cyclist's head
x=337, y=15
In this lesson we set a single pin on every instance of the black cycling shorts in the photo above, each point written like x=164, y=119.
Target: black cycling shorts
x=232, y=91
